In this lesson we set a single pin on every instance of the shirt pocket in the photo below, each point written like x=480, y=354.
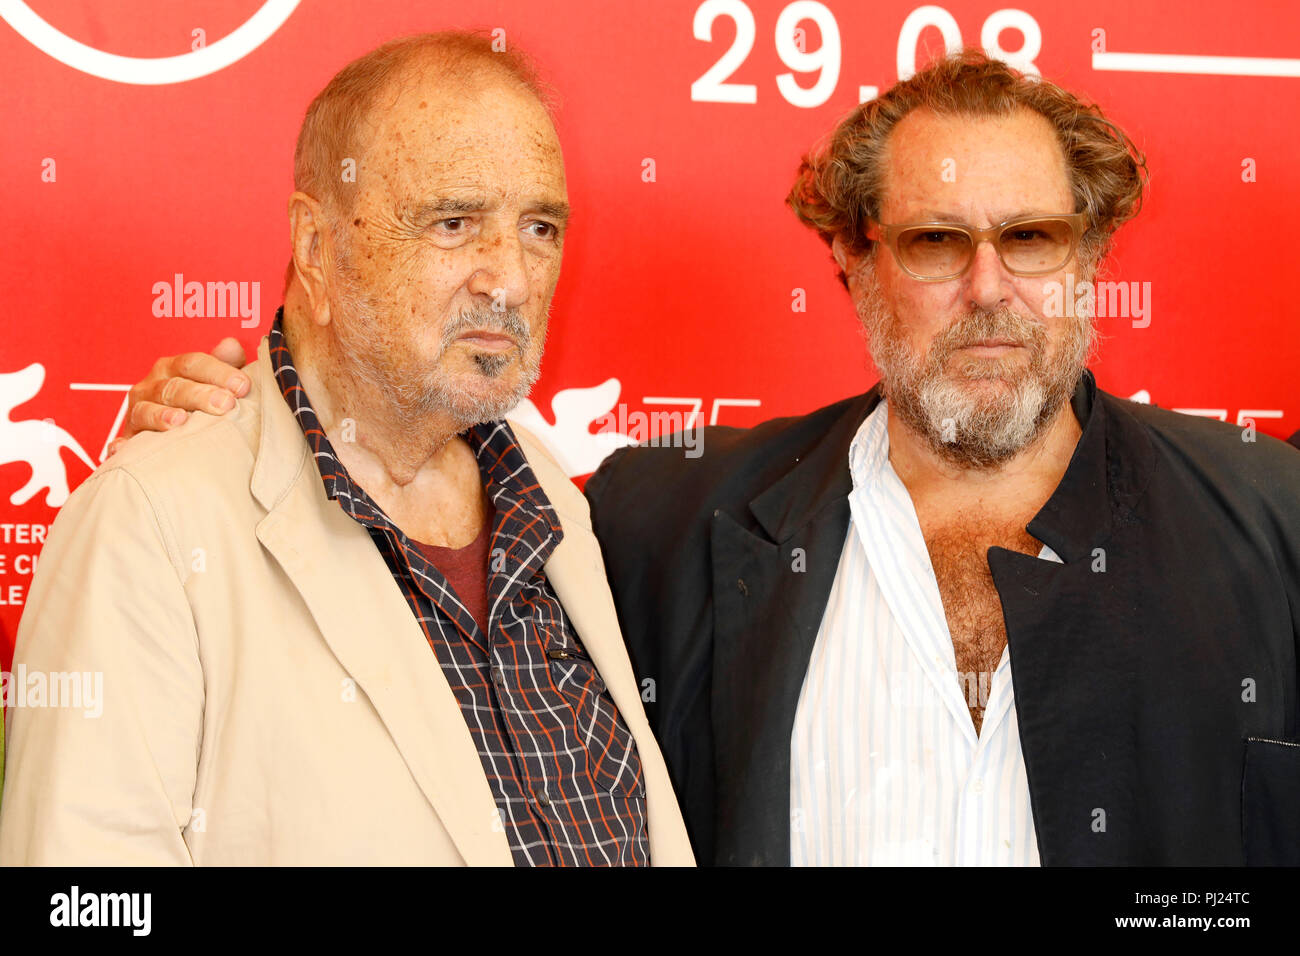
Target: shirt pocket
x=612, y=757
x=1270, y=802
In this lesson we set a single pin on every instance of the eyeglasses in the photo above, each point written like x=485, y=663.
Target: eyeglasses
x=1031, y=246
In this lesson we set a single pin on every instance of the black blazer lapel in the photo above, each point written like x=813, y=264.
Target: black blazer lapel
x=1074, y=661
x=772, y=573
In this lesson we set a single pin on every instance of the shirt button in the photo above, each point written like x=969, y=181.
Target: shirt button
x=979, y=785
x=543, y=800
x=498, y=677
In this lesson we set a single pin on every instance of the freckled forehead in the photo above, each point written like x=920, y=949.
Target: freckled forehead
x=975, y=165
x=477, y=132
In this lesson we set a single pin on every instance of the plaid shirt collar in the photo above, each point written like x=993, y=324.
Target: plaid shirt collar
x=511, y=485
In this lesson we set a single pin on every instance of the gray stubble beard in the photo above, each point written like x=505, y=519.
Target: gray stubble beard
x=966, y=429
x=432, y=393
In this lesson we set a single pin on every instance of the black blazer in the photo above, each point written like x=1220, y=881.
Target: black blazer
x=1161, y=691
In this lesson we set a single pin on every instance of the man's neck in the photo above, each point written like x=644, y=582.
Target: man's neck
x=1026, y=480
x=416, y=468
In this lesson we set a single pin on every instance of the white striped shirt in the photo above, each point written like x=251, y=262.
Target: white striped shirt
x=886, y=767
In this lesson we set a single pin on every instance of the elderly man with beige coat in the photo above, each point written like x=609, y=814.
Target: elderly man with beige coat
x=360, y=619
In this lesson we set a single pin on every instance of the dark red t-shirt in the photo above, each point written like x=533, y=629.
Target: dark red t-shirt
x=466, y=570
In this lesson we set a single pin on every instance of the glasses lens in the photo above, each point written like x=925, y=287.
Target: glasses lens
x=933, y=251
x=1040, y=245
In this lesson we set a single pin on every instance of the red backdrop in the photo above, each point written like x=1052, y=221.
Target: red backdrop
x=682, y=275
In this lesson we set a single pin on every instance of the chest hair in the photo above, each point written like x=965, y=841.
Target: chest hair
x=958, y=553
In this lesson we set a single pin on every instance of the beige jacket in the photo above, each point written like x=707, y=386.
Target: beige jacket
x=267, y=695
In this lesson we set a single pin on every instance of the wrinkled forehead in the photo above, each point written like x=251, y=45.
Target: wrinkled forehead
x=983, y=169
x=430, y=128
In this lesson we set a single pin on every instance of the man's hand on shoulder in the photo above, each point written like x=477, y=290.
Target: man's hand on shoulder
x=180, y=384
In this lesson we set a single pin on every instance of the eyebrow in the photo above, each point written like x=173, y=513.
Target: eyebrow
x=431, y=209
x=554, y=210
x=934, y=215
x=442, y=207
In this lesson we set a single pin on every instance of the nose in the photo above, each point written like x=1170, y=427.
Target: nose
x=988, y=284
x=500, y=270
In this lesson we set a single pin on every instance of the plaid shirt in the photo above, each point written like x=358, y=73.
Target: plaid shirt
x=562, y=765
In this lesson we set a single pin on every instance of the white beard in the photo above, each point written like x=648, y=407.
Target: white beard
x=971, y=424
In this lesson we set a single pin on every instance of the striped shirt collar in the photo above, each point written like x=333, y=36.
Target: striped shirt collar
x=869, y=463
x=507, y=476
x=869, y=450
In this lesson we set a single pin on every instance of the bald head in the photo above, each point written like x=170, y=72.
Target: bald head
x=340, y=123
x=422, y=286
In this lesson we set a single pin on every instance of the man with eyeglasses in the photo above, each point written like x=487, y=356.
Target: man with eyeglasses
x=985, y=613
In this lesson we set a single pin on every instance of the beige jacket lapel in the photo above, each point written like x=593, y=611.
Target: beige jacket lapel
x=368, y=625
x=576, y=571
